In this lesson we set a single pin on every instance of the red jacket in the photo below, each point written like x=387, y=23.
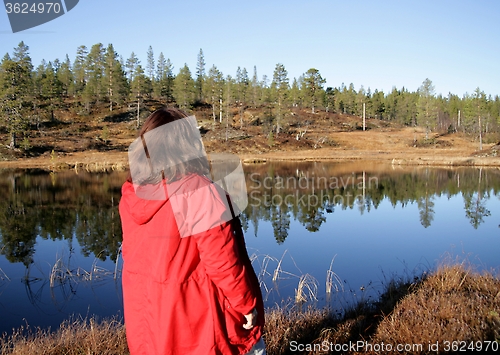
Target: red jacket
x=186, y=295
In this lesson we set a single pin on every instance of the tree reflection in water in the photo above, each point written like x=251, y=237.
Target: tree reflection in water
x=84, y=206
x=59, y=206
x=306, y=192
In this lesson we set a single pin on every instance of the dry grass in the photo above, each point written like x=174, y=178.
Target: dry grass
x=288, y=324
x=307, y=289
x=73, y=338
x=455, y=303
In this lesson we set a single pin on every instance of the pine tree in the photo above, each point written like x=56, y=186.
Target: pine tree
x=313, y=85
x=214, y=87
x=454, y=109
x=228, y=100
x=391, y=104
x=378, y=105
x=65, y=76
x=16, y=89
x=114, y=78
x=255, y=88
x=329, y=99
x=79, y=69
x=131, y=66
x=279, y=89
x=141, y=85
x=295, y=94
x=95, y=65
x=184, y=89
x=426, y=113
x=165, y=78
x=200, y=75
x=150, y=65
x=241, y=84
x=158, y=87
x=169, y=81
x=350, y=100
x=360, y=100
x=480, y=102
x=52, y=89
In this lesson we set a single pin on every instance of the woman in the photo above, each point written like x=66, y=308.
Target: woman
x=188, y=283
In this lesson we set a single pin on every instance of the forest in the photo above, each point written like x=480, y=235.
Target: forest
x=100, y=77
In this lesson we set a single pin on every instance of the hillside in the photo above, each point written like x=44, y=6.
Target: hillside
x=102, y=139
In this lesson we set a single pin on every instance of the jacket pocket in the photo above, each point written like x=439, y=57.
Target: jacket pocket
x=234, y=324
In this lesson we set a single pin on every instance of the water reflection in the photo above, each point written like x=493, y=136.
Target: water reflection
x=65, y=205
x=307, y=192
x=60, y=233
x=59, y=206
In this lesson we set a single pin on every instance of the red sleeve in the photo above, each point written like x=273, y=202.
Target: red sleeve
x=225, y=267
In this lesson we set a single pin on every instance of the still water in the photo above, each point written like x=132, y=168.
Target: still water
x=320, y=233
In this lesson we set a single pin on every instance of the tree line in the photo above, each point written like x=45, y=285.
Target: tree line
x=100, y=76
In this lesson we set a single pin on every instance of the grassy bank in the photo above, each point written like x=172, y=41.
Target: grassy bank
x=455, y=307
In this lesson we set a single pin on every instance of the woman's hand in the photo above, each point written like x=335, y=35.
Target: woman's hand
x=251, y=319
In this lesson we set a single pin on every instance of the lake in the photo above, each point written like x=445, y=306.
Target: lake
x=320, y=233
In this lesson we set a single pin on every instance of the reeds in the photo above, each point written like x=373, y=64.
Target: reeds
x=3, y=276
x=307, y=289
x=61, y=272
x=333, y=281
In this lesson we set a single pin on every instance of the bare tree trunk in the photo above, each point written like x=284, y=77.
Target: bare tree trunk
x=364, y=116
x=12, y=144
x=480, y=134
x=138, y=120
x=220, y=110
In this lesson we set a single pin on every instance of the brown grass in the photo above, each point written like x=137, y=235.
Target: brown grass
x=74, y=337
x=455, y=304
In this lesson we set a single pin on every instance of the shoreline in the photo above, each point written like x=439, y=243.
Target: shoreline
x=115, y=160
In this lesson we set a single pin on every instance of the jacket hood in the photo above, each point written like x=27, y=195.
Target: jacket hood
x=142, y=202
